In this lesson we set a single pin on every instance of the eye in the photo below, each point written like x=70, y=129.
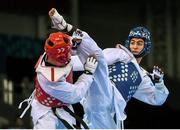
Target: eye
x=50, y=43
x=140, y=43
x=132, y=42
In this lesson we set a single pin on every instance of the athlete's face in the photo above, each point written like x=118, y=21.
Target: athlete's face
x=136, y=45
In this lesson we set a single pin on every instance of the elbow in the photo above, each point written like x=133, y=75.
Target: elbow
x=162, y=101
x=76, y=96
x=75, y=99
x=159, y=101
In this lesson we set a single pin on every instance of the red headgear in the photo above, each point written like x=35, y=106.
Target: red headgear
x=57, y=47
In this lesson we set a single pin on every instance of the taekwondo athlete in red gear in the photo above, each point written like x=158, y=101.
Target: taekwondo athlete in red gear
x=53, y=83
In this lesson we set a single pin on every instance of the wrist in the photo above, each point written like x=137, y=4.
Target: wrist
x=88, y=72
x=70, y=29
x=157, y=80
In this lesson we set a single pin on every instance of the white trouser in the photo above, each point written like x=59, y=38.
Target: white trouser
x=44, y=118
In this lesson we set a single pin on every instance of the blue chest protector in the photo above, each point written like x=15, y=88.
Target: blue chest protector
x=126, y=78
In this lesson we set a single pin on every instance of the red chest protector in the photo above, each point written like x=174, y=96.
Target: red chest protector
x=52, y=74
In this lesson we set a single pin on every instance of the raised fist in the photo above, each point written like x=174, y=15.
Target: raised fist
x=58, y=21
x=52, y=11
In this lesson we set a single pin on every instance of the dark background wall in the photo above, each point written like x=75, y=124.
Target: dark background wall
x=24, y=26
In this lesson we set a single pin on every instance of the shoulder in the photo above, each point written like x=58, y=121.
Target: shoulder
x=113, y=50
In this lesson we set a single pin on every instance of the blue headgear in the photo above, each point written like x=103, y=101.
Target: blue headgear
x=143, y=33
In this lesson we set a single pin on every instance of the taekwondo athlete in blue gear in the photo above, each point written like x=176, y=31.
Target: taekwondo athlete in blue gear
x=128, y=76
x=124, y=71
x=98, y=102
x=125, y=76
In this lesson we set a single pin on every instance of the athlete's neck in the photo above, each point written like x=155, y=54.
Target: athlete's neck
x=139, y=60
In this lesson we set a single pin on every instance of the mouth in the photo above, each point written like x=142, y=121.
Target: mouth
x=135, y=52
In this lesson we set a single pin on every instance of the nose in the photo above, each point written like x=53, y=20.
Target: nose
x=134, y=46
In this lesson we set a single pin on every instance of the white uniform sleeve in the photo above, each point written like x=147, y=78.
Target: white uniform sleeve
x=113, y=55
x=64, y=91
x=77, y=64
x=152, y=94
